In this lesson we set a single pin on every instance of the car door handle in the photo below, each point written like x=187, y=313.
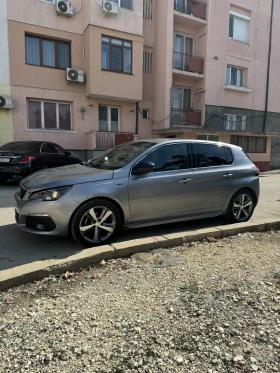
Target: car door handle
x=184, y=181
x=227, y=176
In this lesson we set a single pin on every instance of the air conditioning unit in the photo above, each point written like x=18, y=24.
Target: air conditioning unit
x=64, y=8
x=109, y=7
x=74, y=75
x=6, y=102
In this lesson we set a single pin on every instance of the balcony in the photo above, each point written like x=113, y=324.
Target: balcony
x=181, y=117
x=188, y=65
x=107, y=140
x=192, y=12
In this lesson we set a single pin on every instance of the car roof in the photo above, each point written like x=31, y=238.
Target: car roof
x=168, y=140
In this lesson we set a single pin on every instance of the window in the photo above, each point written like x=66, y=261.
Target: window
x=250, y=144
x=127, y=4
x=49, y=115
x=146, y=114
x=208, y=155
x=235, y=122
x=108, y=118
x=148, y=9
x=208, y=137
x=238, y=27
x=116, y=55
x=181, y=104
x=147, y=63
x=235, y=76
x=169, y=158
x=182, y=51
x=46, y=52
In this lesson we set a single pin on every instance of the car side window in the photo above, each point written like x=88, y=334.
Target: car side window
x=208, y=155
x=58, y=149
x=46, y=149
x=229, y=156
x=169, y=157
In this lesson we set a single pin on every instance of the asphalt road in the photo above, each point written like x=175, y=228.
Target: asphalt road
x=18, y=248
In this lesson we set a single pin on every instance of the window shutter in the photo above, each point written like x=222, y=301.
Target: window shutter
x=240, y=31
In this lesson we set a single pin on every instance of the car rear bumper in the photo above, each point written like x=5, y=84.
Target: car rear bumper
x=14, y=172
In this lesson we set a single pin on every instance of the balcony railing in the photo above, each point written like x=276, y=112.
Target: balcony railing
x=107, y=140
x=195, y=8
x=186, y=62
x=185, y=117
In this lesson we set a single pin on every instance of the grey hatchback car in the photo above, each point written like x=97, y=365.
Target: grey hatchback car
x=137, y=184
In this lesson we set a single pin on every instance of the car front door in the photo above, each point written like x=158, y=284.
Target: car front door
x=165, y=193
x=214, y=177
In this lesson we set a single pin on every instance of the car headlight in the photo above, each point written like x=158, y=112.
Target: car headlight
x=50, y=194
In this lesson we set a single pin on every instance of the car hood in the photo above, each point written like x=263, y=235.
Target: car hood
x=67, y=175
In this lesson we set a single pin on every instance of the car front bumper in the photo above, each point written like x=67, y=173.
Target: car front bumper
x=45, y=218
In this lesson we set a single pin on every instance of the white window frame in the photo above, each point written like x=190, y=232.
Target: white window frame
x=230, y=122
x=189, y=36
x=50, y=1
x=238, y=77
x=148, y=114
x=110, y=117
x=43, y=116
x=243, y=18
x=207, y=137
x=119, y=2
x=182, y=103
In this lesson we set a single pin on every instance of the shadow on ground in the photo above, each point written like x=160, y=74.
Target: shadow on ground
x=18, y=248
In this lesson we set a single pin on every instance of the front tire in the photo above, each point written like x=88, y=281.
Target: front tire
x=95, y=223
x=241, y=207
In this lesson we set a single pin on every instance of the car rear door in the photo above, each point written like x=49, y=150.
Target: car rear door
x=214, y=177
x=166, y=193
x=54, y=156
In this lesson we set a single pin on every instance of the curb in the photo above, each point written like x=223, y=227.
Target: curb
x=37, y=271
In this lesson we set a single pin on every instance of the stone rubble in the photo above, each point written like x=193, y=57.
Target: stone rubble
x=208, y=307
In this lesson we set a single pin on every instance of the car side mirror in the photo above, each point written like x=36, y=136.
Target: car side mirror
x=143, y=168
x=67, y=153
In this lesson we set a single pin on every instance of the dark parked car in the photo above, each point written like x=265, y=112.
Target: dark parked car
x=22, y=158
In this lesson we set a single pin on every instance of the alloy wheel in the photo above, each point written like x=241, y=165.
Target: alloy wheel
x=97, y=225
x=243, y=207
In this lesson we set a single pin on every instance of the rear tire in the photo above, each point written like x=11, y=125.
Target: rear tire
x=95, y=223
x=241, y=207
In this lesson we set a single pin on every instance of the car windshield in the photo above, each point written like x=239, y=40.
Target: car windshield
x=119, y=156
x=20, y=147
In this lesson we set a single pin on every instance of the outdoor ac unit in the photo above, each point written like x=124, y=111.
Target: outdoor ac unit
x=6, y=102
x=74, y=75
x=64, y=8
x=109, y=7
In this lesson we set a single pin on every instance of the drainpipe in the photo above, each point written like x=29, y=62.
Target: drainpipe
x=137, y=118
x=268, y=66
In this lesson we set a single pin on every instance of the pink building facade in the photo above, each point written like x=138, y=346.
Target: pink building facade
x=172, y=68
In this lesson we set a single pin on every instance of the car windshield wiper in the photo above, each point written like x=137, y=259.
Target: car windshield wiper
x=94, y=165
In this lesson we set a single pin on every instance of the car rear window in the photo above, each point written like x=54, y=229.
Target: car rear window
x=20, y=147
x=209, y=155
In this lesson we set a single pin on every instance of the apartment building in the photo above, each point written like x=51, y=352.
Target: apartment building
x=6, y=130
x=75, y=79
x=213, y=56
x=113, y=71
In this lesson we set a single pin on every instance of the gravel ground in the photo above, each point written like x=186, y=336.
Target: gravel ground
x=203, y=307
